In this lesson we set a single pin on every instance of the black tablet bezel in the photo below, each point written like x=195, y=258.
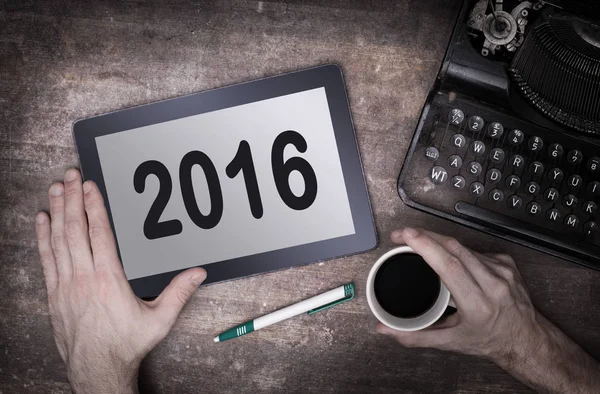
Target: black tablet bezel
x=330, y=77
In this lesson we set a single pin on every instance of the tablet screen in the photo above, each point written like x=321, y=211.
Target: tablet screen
x=225, y=184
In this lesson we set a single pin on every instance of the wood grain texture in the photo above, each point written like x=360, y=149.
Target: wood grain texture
x=69, y=59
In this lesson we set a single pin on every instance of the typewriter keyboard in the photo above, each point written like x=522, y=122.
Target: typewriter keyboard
x=501, y=174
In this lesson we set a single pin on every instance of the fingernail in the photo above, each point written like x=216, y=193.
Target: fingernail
x=71, y=175
x=56, y=190
x=396, y=234
x=410, y=232
x=40, y=218
x=198, y=278
x=87, y=187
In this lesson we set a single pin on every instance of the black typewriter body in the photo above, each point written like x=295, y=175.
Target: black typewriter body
x=508, y=141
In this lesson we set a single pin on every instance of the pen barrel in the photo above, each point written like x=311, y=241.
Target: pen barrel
x=237, y=331
x=300, y=307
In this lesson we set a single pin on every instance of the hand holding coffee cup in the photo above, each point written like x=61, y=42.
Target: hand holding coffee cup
x=495, y=317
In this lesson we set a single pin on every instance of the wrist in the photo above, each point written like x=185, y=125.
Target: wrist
x=104, y=377
x=530, y=342
x=547, y=360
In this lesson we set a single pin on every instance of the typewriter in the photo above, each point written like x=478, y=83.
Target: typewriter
x=509, y=139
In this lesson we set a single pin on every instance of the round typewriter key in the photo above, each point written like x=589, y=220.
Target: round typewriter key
x=513, y=182
x=455, y=161
x=438, y=175
x=551, y=194
x=516, y=162
x=493, y=176
x=536, y=168
x=570, y=201
x=555, y=175
x=572, y=221
x=476, y=123
x=474, y=168
x=590, y=228
x=575, y=157
x=458, y=182
x=458, y=141
x=496, y=195
x=593, y=164
x=555, y=151
x=497, y=155
x=532, y=188
x=477, y=148
x=553, y=215
x=533, y=208
x=514, y=202
x=456, y=116
x=476, y=189
x=516, y=137
x=594, y=188
x=495, y=130
x=432, y=153
x=535, y=144
x=575, y=181
x=589, y=207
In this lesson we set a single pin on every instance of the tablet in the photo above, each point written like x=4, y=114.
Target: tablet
x=240, y=180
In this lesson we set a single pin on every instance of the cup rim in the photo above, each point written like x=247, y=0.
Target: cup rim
x=420, y=322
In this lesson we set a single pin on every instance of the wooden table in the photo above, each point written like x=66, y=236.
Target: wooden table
x=65, y=60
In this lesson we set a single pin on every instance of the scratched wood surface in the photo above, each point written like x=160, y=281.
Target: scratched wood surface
x=65, y=60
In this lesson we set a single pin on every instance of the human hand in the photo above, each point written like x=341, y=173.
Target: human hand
x=495, y=317
x=102, y=330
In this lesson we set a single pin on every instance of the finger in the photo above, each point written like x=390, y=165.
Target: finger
x=173, y=298
x=62, y=256
x=506, y=268
x=76, y=224
x=396, y=237
x=103, y=243
x=473, y=261
x=439, y=338
x=503, y=258
x=503, y=266
x=450, y=268
x=43, y=234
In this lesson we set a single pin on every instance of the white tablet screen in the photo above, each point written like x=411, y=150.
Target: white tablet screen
x=234, y=182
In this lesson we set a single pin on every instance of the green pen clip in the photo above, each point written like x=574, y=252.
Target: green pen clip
x=348, y=295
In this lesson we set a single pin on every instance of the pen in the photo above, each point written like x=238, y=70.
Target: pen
x=312, y=305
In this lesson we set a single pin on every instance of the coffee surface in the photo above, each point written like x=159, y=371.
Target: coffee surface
x=406, y=286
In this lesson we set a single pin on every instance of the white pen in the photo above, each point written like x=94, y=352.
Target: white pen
x=312, y=305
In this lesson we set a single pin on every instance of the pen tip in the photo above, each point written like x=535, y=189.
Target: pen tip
x=216, y=339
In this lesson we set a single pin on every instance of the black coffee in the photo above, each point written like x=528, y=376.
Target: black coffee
x=406, y=286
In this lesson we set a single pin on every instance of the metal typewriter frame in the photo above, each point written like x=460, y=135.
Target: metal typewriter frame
x=465, y=72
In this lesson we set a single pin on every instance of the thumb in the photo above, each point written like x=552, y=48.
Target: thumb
x=173, y=298
x=439, y=338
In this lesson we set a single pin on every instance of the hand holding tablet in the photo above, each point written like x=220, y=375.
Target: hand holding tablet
x=240, y=180
x=101, y=329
